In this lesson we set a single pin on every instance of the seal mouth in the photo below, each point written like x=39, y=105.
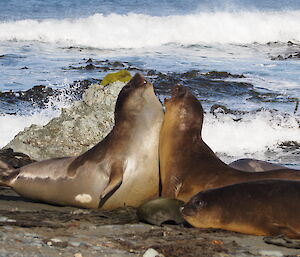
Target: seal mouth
x=186, y=211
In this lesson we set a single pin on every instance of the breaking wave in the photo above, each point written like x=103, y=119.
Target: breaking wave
x=252, y=136
x=139, y=30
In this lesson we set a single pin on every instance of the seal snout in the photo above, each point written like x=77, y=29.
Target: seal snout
x=178, y=90
x=188, y=211
x=138, y=80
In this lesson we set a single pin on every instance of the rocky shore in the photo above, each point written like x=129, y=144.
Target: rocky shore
x=34, y=229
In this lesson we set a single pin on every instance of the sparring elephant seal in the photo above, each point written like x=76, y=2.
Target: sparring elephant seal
x=265, y=208
x=187, y=164
x=123, y=169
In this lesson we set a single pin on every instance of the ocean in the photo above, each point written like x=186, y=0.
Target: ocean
x=241, y=58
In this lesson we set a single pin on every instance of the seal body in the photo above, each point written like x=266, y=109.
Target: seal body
x=248, y=164
x=187, y=164
x=121, y=170
x=266, y=208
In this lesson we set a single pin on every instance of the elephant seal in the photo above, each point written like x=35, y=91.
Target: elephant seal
x=123, y=169
x=248, y=164
x=161, y=210
x=187, y=164
x=265, y=208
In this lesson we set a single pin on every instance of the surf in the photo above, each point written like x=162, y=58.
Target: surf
x=140, y=30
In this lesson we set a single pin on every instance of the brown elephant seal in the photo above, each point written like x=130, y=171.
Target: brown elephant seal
x=187, y=164
x=266, y=208
x=161, y=210
x=123, y=169
x=253, y=165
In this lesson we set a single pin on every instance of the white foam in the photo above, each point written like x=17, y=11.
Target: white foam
x=138, y=30
x=254, y=134
x=11, y=125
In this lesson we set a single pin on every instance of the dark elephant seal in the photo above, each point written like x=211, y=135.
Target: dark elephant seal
x=265, y=208
x=187, y=164
x=161, y=210
x=121, y=170
x=254, y=165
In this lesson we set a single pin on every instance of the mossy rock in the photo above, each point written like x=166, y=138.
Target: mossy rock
x=122, y=75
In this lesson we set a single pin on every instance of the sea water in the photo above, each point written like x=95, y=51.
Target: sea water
x=41, y=39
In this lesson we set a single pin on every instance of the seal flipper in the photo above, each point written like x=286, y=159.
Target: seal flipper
x=7, y=173
x=286, y=230
x=5, y=167
x=177, y=184
x=115, y=181
x=174, y=185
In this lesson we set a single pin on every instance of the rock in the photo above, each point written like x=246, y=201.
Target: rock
x=40, y=95
x=190, y=74
x=152, y=253
x=90, y=67
x=76, y=130
x=271, y=253
x=221, y=75
x=122, y=75
x=117, y=64
x=295, y=55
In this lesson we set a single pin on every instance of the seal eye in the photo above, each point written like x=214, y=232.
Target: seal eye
x=199, y=203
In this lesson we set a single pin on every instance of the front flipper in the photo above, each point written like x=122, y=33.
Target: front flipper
x=7, y=173
x=287, y=231
x=284, y=230
x=172, y=188
x=115, y=181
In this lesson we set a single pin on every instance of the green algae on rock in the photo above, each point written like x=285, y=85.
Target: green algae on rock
x=122, y=76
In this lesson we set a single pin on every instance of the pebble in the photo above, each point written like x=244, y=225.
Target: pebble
x=79, y=211
x=271, y=253
x=75, y=244
x=55, y=240
x=152, y=253
x=3, y=219
x=49, y=243
x=78, y=255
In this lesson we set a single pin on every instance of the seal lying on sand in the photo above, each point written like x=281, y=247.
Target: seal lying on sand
x=266, y=207
x=187, y=164
x=248, y=164
x=121, y=170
